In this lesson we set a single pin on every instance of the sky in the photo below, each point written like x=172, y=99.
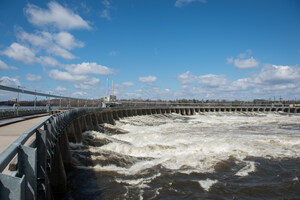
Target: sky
x=152, y=49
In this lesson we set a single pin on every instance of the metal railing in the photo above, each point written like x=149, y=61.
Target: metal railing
x=34, y=161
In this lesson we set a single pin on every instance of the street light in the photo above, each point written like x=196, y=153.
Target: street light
x=18, y=105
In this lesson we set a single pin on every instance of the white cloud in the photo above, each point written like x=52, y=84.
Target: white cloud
x=92, y=81
x=56, y=16
x=76, y=94
x=58, y=51
x=82, y=86
x=4, y=66
x=242, y=62
x=246, y=63
x=66, y=76
x=271, y=80
x=105, y=13
x=32, y=77
x=20, y=53
x=67, y=41
x=48, y=61
x=148, y=79
x=181, y=3
x=46, y=41
x=186, y=78
x=89, y=68
x=212, y=80
x=87, y=84
x=10, y=81
x=60, y=89
x=277, y=74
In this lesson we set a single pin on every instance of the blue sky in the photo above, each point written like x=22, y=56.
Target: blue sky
x=156, y=49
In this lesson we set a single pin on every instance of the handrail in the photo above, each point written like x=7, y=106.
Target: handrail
x=9, y=153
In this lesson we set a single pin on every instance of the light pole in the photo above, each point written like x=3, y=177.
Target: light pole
x=18, y=105
x=35, y=100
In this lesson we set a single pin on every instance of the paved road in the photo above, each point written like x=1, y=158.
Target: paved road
x=9, y=133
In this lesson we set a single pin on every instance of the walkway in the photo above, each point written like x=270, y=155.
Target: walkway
x=9, y=133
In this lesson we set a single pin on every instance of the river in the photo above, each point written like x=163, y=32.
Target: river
x=203, y=156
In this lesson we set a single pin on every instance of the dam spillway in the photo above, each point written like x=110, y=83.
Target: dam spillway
x=62, y=130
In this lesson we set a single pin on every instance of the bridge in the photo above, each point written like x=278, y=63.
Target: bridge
x=39, y=159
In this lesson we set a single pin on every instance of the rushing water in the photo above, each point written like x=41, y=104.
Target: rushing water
x=204, y=156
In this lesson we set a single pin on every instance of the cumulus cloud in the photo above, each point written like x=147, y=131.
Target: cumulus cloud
x=87, y=84
x=120, y=89
x=186, y=78
x=4, y=66
x=82, y=86
x=32, y=77
x=10, y=81
x=181, y=3
x=212, y=80
x=242, y=62
x=60, y=89
x=67, y=41
x=55, y=44
x=89, y=68
x=277, y=74
x=20, y=53
x=208, y=80
x=76, y=94
x=66, y=76
x=56, y=16
x=92, y=81
x=148, y=79
x=271, y=80
x=48, y=61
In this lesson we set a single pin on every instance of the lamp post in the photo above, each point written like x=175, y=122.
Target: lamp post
x=18, y=105
x=34, y=100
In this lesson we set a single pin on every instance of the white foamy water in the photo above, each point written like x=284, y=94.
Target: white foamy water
x=202, y=141
x=206, y=184
x=160, y=155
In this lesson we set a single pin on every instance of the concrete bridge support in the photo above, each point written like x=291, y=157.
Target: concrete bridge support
x=182, y=111
x=77, y=130
x=110, y=118
x=115, y=115
x=95, y=121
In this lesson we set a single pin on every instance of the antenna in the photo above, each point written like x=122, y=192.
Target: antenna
x=107, y=87
x=112, y=87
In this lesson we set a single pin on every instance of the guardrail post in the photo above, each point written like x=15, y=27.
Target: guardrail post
x=27, y=163
x=12, y=187
x=58, y=178
x=42, y=175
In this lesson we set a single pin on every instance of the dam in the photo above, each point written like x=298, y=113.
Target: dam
x=39, y=170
